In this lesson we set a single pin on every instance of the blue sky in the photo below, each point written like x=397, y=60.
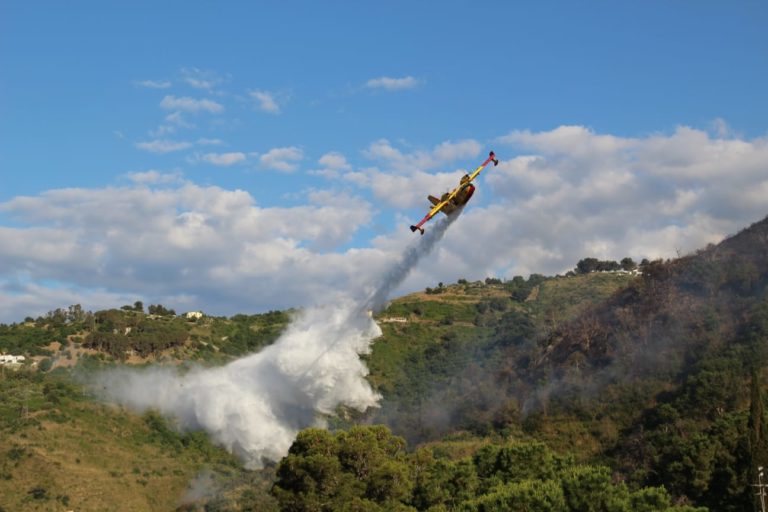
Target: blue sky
x=240, y=156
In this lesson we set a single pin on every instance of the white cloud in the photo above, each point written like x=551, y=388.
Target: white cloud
x=557, y=196
x=282, y=159
x=444, y=153
x=163, y=146
x=334, y=163
x=569, y=193
x=212, y=247
x=393, y=84
x=266, y=101
x=329, y=174
x=578, y=194
x=223, y=159
x=192, y=105
x=406, y=191
x=21, y=299
x=154, y=84
x=334, y=160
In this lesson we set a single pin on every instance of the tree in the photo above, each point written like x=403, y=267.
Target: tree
x=138, y=306
x=528, y=495
x=628, y=264
x=160, y=310
x=589, y=489
x=442, y=482
x=649, y=499
x=364, y=468
x=75, y=313
x=586, y=265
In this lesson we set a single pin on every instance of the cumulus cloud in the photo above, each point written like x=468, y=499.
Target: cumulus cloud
x=334, y=160
x=282, y=159
x=333, y=165
x=192, y=105
x=266, y=101
x=564, y=194
x=393, y=84
x=206, y=247
x=405, y=191
x=571, y=193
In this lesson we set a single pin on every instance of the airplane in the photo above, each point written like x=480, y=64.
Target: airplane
x=450, y=201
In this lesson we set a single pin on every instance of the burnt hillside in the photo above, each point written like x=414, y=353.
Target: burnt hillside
x=671, y=313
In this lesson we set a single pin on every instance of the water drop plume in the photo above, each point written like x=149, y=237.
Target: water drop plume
x=255, y=406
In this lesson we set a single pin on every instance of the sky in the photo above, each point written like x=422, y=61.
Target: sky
x=238, y=157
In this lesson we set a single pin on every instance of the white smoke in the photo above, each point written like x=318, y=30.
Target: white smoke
x=255, y=406
x=203, y=486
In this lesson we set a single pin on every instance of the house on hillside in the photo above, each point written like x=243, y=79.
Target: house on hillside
x=8, y=359
x=193, y=315
x=393, y=320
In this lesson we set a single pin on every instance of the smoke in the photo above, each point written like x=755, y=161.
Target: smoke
x=395, y=275
x=202, y=486
x=255, y=406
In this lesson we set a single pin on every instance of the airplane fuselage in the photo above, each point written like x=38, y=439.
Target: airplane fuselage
x=459, y=199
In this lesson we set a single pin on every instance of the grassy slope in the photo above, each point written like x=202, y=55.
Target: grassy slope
x=68, y=452
x=98, y=460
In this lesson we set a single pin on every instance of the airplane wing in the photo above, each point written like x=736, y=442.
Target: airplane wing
x=491, y=158
x=445, y=200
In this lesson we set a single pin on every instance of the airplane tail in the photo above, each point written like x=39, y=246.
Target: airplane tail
x=414, y=228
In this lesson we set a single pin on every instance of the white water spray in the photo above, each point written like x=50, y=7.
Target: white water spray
x=256, y=405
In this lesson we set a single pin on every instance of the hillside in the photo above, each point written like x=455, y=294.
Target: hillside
x=434, y=344
x=651, y=379
x=660, y=376
x=62, y=450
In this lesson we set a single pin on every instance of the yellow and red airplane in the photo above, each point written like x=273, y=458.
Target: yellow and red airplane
x=450, y=201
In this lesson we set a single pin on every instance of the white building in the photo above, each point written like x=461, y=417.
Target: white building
x=9, y=359
x=394, y=320
x=193, y=315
